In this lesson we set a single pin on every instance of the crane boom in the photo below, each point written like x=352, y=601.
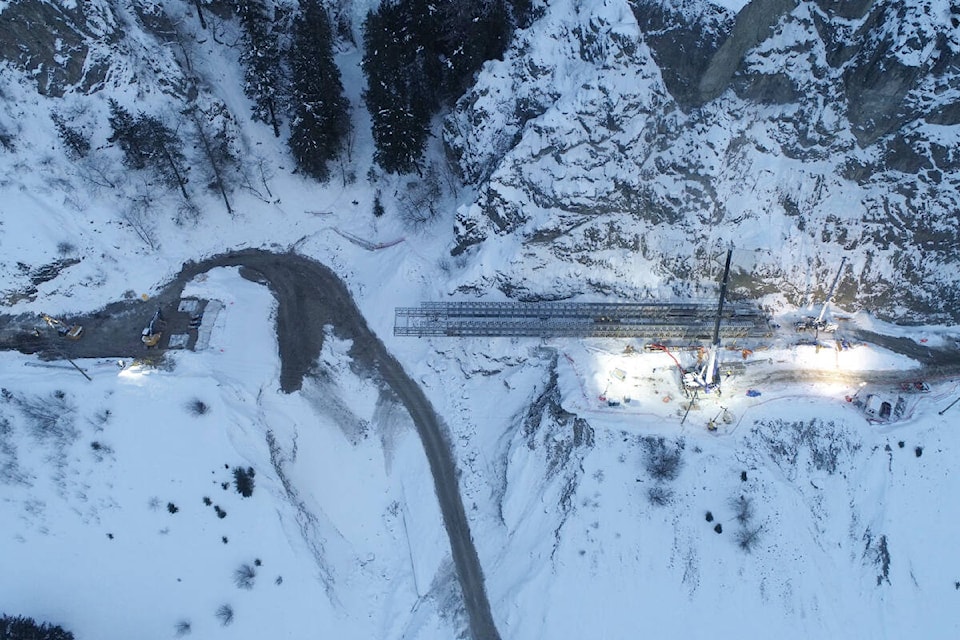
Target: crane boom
x=712, y=360
x=833, y=288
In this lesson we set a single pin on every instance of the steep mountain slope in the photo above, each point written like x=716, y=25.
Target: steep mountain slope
x=647, y=136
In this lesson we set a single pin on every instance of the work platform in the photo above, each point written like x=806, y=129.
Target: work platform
x=658, y=321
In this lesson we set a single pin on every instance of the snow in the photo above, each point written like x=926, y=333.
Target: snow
x=90, y=532
x=344, y=508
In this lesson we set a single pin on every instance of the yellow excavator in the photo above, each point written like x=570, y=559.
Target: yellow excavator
x=71, y=331
x=154, y=331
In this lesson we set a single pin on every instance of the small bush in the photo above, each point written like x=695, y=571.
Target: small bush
x=748, y=537
x=172, y=508
x=183, y=628
x=220, y=512
x=918, y=451
x=279, y=581
x=709, y=516
x=21, y=628
x=197, y=407
x=225, y=539
x=662, y=461
x=207, y=501
x=225, y=615
x=743, y=509
x=244, y=576
x=718, y=528
x=243, y=480
x=257, y=562
x=659, y=495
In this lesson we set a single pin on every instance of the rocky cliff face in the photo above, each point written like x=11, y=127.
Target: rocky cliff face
x=622, y=145
x=643, y=137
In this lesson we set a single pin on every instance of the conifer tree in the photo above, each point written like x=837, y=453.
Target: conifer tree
x=398, y=96
x=126, y=135
x=163, y=152
x=420, y=55
x=214, y=140
x=320, y=117
x=23, y=628
x=148, y=143
x=260, y=56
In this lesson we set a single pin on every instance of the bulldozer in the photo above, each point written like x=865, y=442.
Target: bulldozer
x=63, y=329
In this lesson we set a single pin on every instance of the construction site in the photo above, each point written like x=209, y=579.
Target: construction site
x=694, y=357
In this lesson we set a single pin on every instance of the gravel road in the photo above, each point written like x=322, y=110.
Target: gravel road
x=310, y=296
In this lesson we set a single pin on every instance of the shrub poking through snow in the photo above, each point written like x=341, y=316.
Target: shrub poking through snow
x=748, y=537
x=225, y=615
x=662, y=460
x=244, y=576
x=743, y=509
x=243, y=480
x=197, y=407
x=183, y=628
x=659, y=495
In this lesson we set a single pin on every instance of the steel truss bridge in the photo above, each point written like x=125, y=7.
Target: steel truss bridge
x=659, y=321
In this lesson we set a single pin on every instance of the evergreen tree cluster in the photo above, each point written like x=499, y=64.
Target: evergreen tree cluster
x=294, y=76
x=422, y=54
x=260, y=56
x=148, y=143
x=21, y=628
x=319, y=109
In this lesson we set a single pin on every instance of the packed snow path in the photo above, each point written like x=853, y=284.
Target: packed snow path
x=309, y=297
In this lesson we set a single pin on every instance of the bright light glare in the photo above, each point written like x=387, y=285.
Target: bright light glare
x=134, y=374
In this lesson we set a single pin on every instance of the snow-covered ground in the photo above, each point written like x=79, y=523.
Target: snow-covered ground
x=111, y=492
x=590, y=519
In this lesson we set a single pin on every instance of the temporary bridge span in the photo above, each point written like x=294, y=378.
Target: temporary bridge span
x=654, y=320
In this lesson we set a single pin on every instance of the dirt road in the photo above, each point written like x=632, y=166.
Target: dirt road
x=309, y=297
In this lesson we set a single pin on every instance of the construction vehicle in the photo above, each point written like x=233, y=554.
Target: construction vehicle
x=154, y=331
x=705, y=377
x=63, y=329
x=818, y=324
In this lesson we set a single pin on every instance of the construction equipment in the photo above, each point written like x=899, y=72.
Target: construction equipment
x=724, y=414
x=71, y=331
x=154, y=331
x=819, y=324
x=706, y=377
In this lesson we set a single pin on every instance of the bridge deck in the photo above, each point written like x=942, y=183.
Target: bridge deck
x=693, y=321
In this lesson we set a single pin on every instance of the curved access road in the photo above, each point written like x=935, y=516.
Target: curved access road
x=309, y=296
